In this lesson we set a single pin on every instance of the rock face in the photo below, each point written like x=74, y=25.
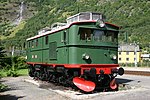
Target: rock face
x=14, y=11
x=19, y=16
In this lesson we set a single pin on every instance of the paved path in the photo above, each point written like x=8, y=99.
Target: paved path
x=140, y=89
x=20, y=90
x=147, y=69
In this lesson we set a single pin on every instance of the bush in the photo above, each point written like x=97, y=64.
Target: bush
x=12, y=73
x=20, y=63
x=3, y=87
x=17, y=61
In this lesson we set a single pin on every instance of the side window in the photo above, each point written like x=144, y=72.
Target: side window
x=64, y=36
x=46, y=39
x=85, y=34
x=32, y=43
x=29, y=45
x=36, y=42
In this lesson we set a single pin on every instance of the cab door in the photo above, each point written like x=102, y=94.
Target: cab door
x=62, y=51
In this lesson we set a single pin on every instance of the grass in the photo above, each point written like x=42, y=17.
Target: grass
x=20, y=72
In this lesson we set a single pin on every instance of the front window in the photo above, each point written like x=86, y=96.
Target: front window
x=97, y=35
x=85, y=34
x=106, y=36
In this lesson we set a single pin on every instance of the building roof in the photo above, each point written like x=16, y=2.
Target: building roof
x=129, y=47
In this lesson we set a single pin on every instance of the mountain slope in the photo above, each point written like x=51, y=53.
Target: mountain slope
x=132, y=15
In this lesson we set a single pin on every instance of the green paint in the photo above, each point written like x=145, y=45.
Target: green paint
x=69, y=48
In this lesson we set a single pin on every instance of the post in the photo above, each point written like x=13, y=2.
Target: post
x=135, y=50
x=12, y=58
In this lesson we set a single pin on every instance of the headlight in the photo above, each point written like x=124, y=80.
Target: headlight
x=114, y=57
x=100, y=23
x=85, y=56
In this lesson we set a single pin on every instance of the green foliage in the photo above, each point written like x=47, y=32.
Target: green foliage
x=5, y=62
x=3, y=87
x=19, y=62
x=132, y=15
x=2, y=52
x=11, y=65
x=12, y=73
x=145, y=63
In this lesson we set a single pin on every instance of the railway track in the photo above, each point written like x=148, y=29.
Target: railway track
x=143, y=73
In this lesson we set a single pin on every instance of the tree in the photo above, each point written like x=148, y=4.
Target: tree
x=2, y=54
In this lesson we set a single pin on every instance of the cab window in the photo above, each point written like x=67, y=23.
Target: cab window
x=105, y=36
x=85, y=34
x=98, y=34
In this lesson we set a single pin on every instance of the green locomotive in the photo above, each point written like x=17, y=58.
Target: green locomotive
x=81, y=52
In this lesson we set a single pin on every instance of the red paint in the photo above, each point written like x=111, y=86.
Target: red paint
x=105, y=67
x=111, y=24
x=83, y=84
x=113, y=84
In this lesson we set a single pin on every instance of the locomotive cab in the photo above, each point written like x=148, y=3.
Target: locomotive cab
x=94, y=51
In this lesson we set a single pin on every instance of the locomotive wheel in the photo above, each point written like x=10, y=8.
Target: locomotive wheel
x=31, y=71
x=36, y=75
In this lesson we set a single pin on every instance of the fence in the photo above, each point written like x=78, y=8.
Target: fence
x=140, y=64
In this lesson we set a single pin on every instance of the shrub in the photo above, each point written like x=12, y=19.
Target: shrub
x=20, y=63
x=12, y=73
x=3, y=87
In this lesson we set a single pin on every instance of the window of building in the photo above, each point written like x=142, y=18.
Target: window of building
x=127, y=59
x=119, y=53
x=134, y=53
x=134, y=59
x=119, y=59
x=127, y=53
x=46, y=40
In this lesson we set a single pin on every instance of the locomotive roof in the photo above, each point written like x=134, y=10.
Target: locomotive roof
x=75, y=19
x=56, y=30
